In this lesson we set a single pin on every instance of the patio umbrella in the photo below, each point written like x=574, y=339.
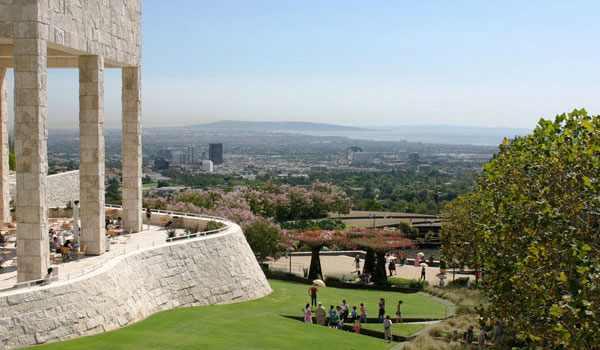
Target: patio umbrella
x=319, y=283
x=423, y=264
x=443, y=277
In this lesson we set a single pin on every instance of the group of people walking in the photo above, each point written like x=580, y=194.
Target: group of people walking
x=340, y=314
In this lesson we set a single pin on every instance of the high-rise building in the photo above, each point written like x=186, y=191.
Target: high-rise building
x=215, y=153
x=191, y=157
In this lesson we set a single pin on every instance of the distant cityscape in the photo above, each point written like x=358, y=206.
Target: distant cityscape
x=176, y=158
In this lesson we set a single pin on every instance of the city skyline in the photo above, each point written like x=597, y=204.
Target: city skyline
x=471, y=64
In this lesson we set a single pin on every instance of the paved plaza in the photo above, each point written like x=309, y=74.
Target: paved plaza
x=342, y=264
x=156, y=236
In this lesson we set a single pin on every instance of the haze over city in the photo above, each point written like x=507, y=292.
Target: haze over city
x=356, y=63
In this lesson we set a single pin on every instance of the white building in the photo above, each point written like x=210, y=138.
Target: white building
x=207, y=165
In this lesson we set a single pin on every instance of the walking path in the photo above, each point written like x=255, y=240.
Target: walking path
x=342, y=264
x=125, y=243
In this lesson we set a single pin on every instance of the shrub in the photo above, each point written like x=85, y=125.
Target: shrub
x=332, y=279
x=403, y=282
x=459, y=282
x=443, y=264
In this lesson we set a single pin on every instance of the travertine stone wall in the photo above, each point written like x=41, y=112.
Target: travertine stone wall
x=215, y=269
x=131, y=152
x=63, y=188
x=30, y=149
x=4, y=171
x=91, y=153
x=108, y=28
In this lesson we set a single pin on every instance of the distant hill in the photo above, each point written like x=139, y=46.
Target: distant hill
x=273, y=126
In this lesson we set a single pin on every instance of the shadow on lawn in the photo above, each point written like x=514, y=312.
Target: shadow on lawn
x=370, y=332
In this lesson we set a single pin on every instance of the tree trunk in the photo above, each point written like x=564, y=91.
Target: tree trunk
x=315, y=264
x=369, y=266
x=380, y=274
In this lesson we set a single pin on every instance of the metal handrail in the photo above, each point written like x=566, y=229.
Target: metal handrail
x=112, y=254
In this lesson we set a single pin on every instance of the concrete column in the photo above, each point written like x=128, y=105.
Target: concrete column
x=91, y=153
x=132, y=148
x=4, y=179
x=31, y=157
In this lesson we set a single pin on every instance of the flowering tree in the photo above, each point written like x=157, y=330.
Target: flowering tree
x=352, y=242
x=316, y=240
x=259, y=209
x=264, y=236
x=380, y=243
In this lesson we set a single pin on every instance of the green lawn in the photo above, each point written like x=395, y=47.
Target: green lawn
x=403, y=330
x=256, y=324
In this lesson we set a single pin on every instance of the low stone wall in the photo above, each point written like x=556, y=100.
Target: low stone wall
x=214, y=269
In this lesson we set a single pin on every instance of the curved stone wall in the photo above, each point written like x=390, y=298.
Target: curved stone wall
x=214, y=269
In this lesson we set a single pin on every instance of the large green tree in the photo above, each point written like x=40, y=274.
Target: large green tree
x=536, y=233
x=265, y=238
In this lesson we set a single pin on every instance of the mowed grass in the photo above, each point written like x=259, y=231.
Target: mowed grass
x=256, y=324
x=403, y=330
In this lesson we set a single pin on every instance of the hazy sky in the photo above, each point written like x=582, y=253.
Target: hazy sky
x=502, y=63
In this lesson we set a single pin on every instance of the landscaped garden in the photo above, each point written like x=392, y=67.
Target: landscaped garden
x=259, y=324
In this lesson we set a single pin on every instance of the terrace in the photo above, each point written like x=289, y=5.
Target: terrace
x=187, y=226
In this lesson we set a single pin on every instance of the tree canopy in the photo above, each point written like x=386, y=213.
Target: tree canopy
x=532, y=224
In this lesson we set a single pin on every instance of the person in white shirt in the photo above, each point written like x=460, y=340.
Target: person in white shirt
x=387, y=328
x=345, y=308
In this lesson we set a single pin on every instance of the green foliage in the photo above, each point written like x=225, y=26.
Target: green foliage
x=306, y=225
x=459, y=282
x=264, y=239
x=443, y=264
x=411, y=283
x=162, y=183
x=429, y=236
x=407, y=228
x=332, y=279
x=12, y=164
x=213, y=225
x=533, y=225
x=396, y=190
x=113, y=193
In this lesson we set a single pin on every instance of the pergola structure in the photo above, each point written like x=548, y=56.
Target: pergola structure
x=89, y=35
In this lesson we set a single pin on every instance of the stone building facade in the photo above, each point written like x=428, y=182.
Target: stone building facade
x=214, y=269
x=89, y=35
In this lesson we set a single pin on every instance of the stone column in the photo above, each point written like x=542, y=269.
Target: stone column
x=31, y=157
x=91, y=153
x=132, y=148
x=4, y=176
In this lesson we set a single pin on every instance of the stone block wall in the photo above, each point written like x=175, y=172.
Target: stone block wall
x=216, y=269
x=108, y=28
x=63, y=188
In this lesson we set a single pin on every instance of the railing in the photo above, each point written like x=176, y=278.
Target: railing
x=197, y=234
x=285, y=266
x=113, y=254
x=177, y=213
x=89, y=269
